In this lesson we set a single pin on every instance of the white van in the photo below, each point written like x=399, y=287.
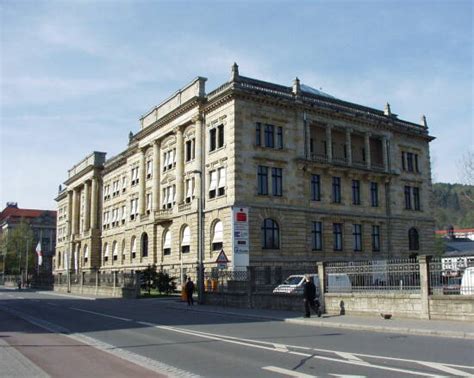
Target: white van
x=294, y=284
x=339, y=283
x=467, y=282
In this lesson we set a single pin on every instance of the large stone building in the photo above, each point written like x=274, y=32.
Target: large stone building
x=279, y=174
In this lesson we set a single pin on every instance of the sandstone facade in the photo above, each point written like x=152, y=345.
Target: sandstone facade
x=322, y=179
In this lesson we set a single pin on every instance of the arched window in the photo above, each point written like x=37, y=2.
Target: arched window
x=144, y=246
x=167, y=242
x=134, y=247
x=217, y=236
x=413, y=239
x=123, y=249
x=114, y=250
x=86, y=253
x=270, y=234
x=186, y=240
x=106, y=252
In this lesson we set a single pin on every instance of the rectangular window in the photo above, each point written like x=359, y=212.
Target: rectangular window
x=262, y=180
x=148, y=203
x=269, y=136
x=221, y=182
x=357, y=233
x=363, y=154
x=279, y=143
x=376, y=238
x=416, y=164
x=317, y=236
x=315, y=188
x=277, y=181
x=416, y=198
x=258, y=134
x=403, y=161
x=188, y=150
x=355, y=192
x=337, y=236
x=149, y=168
x=407, y=197
x=374, y=194
x=213, y=184
x=220, y=136
x=336, y=189
x=212, y=139
x=409, y=162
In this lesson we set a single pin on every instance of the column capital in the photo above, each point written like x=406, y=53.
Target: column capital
x=156, y=142
x=197, y=118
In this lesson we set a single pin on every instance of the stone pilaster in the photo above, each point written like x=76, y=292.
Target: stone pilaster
x=69, y=212
x=329, y=143
x=307, y=139
x=94, y=204
x=349, y=145
x=141, y=184
x=74, y=212
x=179, y=166
x=199, y=153
x=367, y=150
x=87, y=204
x=385, y=153
x=156, y=175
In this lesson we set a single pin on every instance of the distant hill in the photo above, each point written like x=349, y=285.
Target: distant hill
x=451, y=207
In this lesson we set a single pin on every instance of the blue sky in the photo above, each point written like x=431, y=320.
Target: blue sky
x=77, y=75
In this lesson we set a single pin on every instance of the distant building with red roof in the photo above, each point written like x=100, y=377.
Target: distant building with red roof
x=457, y=233
x=42, y=223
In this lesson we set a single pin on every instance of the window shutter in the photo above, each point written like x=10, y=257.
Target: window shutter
x=218, y=233
x=213, y=184
x=167, y=242
x=186, y=236
x=221, y=177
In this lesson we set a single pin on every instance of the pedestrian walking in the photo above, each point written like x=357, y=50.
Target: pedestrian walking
x=309, y=298
x=190, y=291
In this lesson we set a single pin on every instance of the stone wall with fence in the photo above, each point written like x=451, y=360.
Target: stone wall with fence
x=409, y=288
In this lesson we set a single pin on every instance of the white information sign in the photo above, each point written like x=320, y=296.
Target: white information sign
x=240, y=238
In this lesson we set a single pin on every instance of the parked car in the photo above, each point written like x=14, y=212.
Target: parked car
x=467, y=282
x=452, y=286
x=339, y=283
x=294, y=284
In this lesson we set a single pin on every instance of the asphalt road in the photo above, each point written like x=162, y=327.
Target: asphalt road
x=169, y=338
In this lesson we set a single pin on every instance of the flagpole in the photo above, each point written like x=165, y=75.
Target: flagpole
x=26, y=264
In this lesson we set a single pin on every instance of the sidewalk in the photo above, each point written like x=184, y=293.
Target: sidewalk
x=440, y=328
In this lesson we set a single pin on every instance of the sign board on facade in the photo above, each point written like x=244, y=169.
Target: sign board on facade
x=240, y=237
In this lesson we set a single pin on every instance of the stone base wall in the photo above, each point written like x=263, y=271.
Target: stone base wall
x=103, y=291
x=399, y=305
x=452, y=308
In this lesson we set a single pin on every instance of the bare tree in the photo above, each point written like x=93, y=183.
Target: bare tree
x=466, y=173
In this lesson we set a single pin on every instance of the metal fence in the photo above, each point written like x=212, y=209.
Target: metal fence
x=443, y=281
x=114, y=279
x=375, y=275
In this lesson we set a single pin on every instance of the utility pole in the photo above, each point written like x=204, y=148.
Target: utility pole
x=26, y=263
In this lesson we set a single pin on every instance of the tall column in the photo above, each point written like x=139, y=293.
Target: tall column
x=87, y=219
x=141, y=184
x=385, y=153
x=349, y=146
x=329, y=143
x=367, y=150
x=307, y=131
x=199, y=153
x=94, y=207
x=156, y=175
x=74, y=215
x=69, y=212
x=179, y=166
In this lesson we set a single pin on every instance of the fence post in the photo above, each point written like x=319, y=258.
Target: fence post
x=250, y=284
x=322, y=284
x=424, y=262
x=96, y=282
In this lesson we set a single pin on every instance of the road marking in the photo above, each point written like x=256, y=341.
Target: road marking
x=21, y=297
x=291, y=373
x=100, y=314
x=446, y=369
x=281, y=347
x=349, y=356
x=52, y=304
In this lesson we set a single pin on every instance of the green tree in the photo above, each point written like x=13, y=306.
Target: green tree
x=165, y=283
x=149, y=276
x=15, y=245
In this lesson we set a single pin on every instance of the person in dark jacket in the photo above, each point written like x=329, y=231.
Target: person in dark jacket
x=309, y=298
x=189, y=291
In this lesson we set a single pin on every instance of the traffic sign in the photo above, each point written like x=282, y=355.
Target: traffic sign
x=222, y=258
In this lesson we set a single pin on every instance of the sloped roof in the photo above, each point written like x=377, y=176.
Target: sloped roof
x=308, y=89
x=15, y=212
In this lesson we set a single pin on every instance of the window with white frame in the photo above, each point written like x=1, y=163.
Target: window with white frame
x=167, y=242
x=217, y=236
x=221, y=181
x=186, y=240
x=124, y=183
x=169, y=196
x=124, y=213
x=133, y=208
x=148, y=203
x=190, y=148
x=169, y=159
x=212, y=184
x=190, y=185
x=133, y=247
x=123, y=249
x=114, y=251
x=106, y=252
x=217, y=182
x=134, y=175
x=149, y=169
x=216, y=137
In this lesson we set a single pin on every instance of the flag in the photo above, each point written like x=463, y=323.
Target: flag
x=39, y=253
